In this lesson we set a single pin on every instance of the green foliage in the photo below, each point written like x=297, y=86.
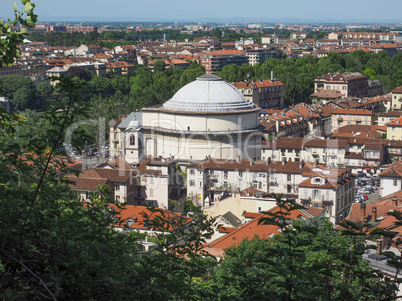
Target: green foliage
x=8, y=45
x=21, y=91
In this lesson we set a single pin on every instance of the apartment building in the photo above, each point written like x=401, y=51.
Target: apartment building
x=264, y=93
x=344, y=117
x=214, y=61
x=329, y=151
x=396, y=101
x=391, y=179
x=257, y=56
x=387, y=117
x=394, y=129
x=348, y=83
x=332, y=189
x=325, y=151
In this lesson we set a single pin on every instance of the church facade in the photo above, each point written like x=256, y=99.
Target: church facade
x=206, y=118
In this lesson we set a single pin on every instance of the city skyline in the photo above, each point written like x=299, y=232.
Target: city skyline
x=260, y=11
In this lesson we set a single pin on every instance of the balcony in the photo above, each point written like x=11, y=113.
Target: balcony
x=212, y=177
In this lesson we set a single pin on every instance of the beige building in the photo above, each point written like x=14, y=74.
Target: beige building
x=396, y=102
x=263, y=93
x=343, y=117
x=394, y=129
x=387, y=117
x=348, y=83
x=330, y=189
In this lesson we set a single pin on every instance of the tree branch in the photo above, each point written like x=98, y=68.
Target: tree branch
x=36, y=276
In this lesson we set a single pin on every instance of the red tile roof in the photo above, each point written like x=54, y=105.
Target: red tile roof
x=136, y=213
x=254, y=229
x=395, y=122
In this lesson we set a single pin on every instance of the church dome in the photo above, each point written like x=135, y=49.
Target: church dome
x=208, y=93
x=134, y=124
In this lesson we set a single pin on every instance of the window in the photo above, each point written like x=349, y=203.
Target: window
x=316, y=194
x=259, y=209
x=289, y=176
x=317, y=180
x=132, y=139
x=259, y=185
x=192, y=171
x=393, y=129
x=225, y=174
x=289, y=188
x=200, y=184
x=192, y=183
x=117, y=187
x=395, y=182
x=117, y=198
x=240, y=174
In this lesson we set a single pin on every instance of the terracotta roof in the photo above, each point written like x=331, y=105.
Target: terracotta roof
x=136, y=214
x=391, y=113
x=340, y=111
x=397, y=90
x=395, y=122
x=224, y=52
x=377, y=145
x=258, y=84
x=388, y=199
x=353, y=155
x=394, y=170
x=326, y=143
x=324, y=93
x=254, y=229
x=341, y=77
x=360, y=211
x=88, y=184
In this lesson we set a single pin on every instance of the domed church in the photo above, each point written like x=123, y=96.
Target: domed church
x=206, y=118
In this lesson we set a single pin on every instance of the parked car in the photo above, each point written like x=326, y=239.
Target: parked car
x=364, y=196
x=359, y=199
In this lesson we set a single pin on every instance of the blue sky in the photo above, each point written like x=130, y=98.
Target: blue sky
x=180, y=10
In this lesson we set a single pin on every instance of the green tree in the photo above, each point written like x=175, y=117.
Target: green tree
x=44, y=90
x=191, y=73
x=159, y=65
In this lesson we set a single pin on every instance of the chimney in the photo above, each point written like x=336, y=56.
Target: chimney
x=237, y=159
x=394, y=201
x=363, y=210
x=379, y=247
x=272, y=75
x=301, y=164
x=269, y=160
x=374, y=214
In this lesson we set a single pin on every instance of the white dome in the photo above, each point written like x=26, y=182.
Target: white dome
x=134, y=124
x=208, y=94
